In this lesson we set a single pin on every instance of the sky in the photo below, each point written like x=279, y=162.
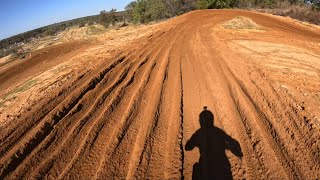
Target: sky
x=17, y=16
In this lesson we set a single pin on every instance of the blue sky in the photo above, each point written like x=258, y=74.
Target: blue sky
x=17, y=16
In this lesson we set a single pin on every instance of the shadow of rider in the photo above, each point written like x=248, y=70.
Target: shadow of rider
x=212, y=143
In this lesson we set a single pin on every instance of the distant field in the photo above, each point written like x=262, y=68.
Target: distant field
x=48, y=31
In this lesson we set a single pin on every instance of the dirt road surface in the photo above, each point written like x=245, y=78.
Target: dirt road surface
x=137, y=115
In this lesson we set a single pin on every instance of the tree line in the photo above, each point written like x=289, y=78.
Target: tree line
x=143, y=11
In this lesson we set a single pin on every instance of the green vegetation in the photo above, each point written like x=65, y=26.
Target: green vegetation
x=104, y=20
x=217, y=4
x=316, y=5
x=144, y=11
x=110, y=17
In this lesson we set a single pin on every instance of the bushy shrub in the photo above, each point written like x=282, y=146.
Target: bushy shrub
x=82, y=25
x=91, y=23
x=217, y=4
x=300, y=12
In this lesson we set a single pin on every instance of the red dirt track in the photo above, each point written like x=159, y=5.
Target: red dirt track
x=137, y=115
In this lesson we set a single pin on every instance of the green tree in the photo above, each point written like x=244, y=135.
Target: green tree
x=265, y=3
x=112, y=16
x=203, y=4
x=173, y=7
x=130, y=10
x=155, y=9
x=316, y=5
x=216, y=4
x=188, y=5
x=139, y=11
x=104, y=20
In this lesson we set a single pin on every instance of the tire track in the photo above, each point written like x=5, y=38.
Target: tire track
x=100, y=76
x=86, y=119
x=243, y=115
x=32, y=119
x=146, y=129
x=102, y=130
x=153, y=164
x=46, y=127
x=114, y=102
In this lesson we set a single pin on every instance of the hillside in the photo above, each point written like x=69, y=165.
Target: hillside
x=12, y=44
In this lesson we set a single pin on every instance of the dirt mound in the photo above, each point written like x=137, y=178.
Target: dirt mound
x=140, y=114
x=241, y=22
x=82, y=33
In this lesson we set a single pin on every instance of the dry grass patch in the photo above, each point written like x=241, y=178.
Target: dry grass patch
x=13, y=94
x=241, y=22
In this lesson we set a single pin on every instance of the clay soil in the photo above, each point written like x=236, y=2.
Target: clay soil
x=92, y=109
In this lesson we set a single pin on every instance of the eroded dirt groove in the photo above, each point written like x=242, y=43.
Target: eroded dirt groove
x=138, y=114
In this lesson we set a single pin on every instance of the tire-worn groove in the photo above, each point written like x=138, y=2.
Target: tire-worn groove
x=140, y=65
x=181, y=124
x=48, y=126
x=149, y=140
x=113, y=103
x=71, y=104
x=132, y=169
x=100, y=100
x=275, y=142
x=41, y=112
